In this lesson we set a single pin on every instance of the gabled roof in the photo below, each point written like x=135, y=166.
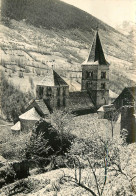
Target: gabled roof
x=130, y=90
x=30, y=115
x=96, y=54
x=79, y=100
x=52, y=79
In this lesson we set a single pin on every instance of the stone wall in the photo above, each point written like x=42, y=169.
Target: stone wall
x=128, y=122
x=27, y=125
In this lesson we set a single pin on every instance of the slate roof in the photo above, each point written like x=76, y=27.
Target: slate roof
x=30, y=115
x=52, y=79
x=96, y=54
x=79, y=100
x=132, y=91
x=16, y=127
x=106, y=108
x=42, y=106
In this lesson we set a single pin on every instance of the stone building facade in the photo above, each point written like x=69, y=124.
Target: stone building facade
x=53, y=90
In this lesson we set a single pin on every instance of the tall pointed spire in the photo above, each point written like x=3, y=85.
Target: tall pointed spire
x=96, y=52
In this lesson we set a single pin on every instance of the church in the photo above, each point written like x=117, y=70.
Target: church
x=53, y=92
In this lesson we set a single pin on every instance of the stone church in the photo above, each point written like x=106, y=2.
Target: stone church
x=53, y=92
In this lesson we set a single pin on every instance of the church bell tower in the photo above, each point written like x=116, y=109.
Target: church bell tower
x=95, y=74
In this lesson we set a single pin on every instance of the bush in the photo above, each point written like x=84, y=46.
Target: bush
x=31, y=82
x=20, y=74
x=13, y=69
x=10, y=74
x=38, y=72
x=27, y=70
x=46, y=144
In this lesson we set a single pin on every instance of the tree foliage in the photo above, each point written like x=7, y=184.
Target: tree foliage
x=47, y=143
x=102, y=163
x=13, y=101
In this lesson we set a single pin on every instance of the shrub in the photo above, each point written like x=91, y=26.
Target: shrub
x=27, y=70
x=31, y=82
x=13, y=69
x=46, y=143
x=38, y=72
x=20, y=74
x=10, y=74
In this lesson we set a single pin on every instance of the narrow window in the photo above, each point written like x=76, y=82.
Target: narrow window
x=64, y=91
x=87, y=74
x=58, y=91
x=102, y=85
x=40, y=91
x=58, y=103
x=87, y=85
x=49, y=91
x=91, y=74
x=103, y=75
x=64, y=102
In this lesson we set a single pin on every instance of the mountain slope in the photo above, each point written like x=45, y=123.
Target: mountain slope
x=51, y=14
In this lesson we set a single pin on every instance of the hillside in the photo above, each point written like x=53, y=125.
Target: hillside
x=53, y=32
x=51, y=14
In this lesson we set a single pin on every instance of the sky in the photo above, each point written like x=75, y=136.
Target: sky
x=113, y=12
